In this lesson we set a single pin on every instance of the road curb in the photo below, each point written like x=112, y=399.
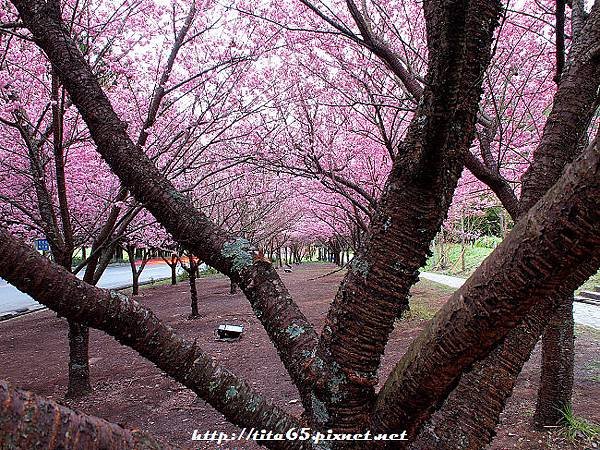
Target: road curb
x=10, y=315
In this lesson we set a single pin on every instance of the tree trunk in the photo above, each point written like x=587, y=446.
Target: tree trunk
x=233, y=288
x=531, y=265
x=484, y=389
x=573, y=107
x=135, y=286
x=173, y=274
x=27, y=419
x=135, y=274
x=139, y=328
x=556, y=381
x=79, y=369
x=193, y=292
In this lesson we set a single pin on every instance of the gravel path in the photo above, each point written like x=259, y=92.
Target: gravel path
x=582, y=313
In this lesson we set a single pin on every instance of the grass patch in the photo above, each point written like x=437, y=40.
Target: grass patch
x=594, y=368
x=420, y=310
x=585, y=330
x=593, y=365
x=455, y=259
x=426, y=299
x=577, y=428
x=451, y=259
x=592, y=282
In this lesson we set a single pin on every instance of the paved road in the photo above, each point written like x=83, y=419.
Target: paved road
x=582, y=313
x=11, y=299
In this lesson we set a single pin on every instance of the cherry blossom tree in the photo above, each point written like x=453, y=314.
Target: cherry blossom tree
x=78, y=202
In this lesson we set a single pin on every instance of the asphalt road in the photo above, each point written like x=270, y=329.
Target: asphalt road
x=12, y=300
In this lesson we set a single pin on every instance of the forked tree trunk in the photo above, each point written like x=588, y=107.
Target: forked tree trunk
x=461, y=37
x=172, y=263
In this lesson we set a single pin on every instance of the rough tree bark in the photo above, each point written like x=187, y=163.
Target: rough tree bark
x=411, y=210
x=487, y=387
x=137, y=327
x=31, y=422
x=558, y=352
x=540, y=259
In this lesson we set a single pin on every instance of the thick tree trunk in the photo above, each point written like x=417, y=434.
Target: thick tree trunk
x=542, y=258
x=556, y=381
x=572, y=110
x=412, y=208
x=484, y=389
x=563, y=139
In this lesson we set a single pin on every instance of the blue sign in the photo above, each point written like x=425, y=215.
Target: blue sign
x=42, y=245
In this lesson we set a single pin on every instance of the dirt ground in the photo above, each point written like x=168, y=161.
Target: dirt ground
x=132, y=392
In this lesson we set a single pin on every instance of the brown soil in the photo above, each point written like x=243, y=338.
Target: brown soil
x=131, y=391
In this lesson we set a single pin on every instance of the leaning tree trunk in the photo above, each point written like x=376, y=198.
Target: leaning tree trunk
x=454, y=425
x=137, y=327
x=412, y=208
x=490, y=383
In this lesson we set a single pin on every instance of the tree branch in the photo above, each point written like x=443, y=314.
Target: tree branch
x=137, y=327
x=539, y=260
x=231, y=255
x=29, y=421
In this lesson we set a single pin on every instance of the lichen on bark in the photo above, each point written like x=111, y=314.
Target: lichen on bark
x=239, y=252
